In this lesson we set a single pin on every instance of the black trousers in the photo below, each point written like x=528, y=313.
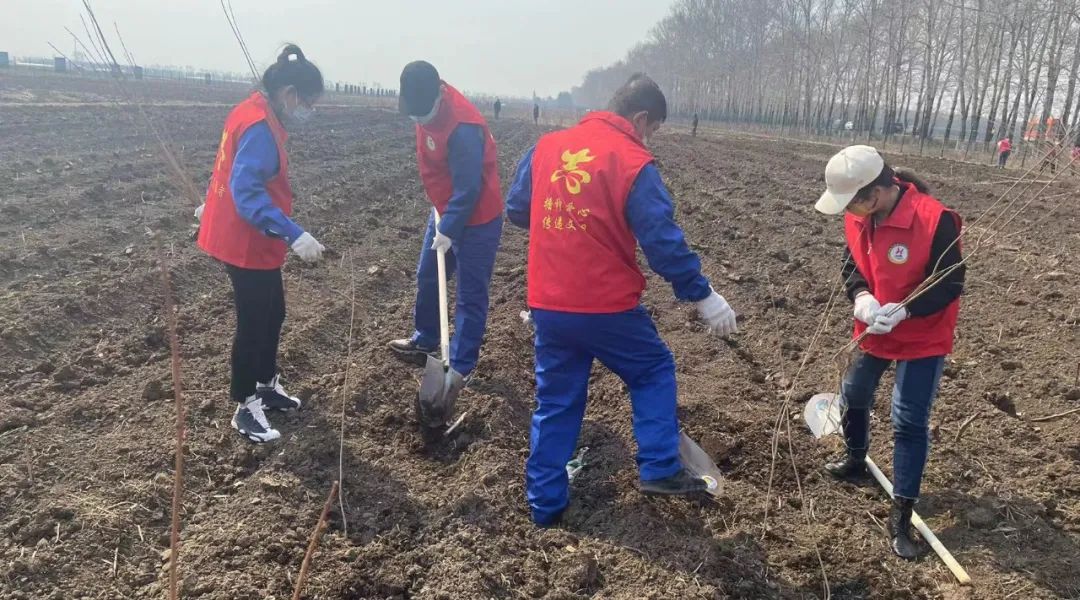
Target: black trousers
x=260, y=312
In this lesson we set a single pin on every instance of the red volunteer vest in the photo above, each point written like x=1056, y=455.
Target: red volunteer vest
x=893, y=256
x=431, y=156
x=582, y=253
x=223, y=233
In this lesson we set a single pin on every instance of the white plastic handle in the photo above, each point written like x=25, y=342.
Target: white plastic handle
x=444, y=311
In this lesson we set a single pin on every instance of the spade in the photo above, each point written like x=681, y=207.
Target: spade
x=441, y=384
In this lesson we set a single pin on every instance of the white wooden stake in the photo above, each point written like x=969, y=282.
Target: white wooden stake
x=916, y=520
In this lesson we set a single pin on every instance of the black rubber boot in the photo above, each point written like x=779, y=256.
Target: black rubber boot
x=409, y=351
x=852, y=468
x=903, y=544
x=679, y=484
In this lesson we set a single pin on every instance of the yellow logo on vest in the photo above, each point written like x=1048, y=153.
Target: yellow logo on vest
x=573, y=176
x=430, y=143
x=573, y=220
x=221, y=148
x=898, y=254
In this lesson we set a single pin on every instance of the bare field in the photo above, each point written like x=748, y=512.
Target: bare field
x=86, y=413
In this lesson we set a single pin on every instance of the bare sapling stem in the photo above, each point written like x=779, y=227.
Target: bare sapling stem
x=345, y=393
x=181, y=419
x=314, y=542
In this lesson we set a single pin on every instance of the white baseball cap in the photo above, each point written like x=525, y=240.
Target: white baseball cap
x=850, y=170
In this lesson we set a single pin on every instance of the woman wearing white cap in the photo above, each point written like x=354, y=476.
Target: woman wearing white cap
x=897, y=237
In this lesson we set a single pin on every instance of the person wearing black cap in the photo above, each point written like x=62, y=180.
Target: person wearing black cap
x=459, y=169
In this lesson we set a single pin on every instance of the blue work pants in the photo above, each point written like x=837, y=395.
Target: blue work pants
x=913, y=395
x=628, y=344
x=473, y=259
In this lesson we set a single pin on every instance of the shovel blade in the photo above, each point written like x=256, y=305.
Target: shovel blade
x=432, y=392
x=823, y=414
x=697, y=462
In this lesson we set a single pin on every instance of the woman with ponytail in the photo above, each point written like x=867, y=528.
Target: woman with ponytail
x=898, y=236
x=246, y=224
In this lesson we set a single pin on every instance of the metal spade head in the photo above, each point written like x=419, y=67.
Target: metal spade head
x=697, y=462
x=432, y=391
x=822, y=414
x=439, y=389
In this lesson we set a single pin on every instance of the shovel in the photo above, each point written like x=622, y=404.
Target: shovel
x=440, y=384
x=697, y=462
x=822, y=415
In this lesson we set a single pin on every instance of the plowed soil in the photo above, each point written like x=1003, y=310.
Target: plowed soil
x=86, y=410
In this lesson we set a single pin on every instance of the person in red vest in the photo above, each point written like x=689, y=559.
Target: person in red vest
x=245, y=223
x=1004, y=148
x=589, y=196
x=460, y=172
x=898, y=236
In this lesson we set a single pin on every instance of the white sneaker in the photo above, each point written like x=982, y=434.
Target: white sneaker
x=274, y=396
x=250, y=420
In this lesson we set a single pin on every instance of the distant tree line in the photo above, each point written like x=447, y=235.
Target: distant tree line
x=965, y=70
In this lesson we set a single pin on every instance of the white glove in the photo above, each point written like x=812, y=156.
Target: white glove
x=887, y=318
x=441, y=242
x=308, y=248
x=198, y=211
x=718, y=316
x=866, y=307
x=526, y=318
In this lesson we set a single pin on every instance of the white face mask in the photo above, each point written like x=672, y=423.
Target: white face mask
x=295, y=116
x=424, y=120
x=302, y=114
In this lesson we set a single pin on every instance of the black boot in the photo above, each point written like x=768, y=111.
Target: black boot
x=903, y=544
x=856, y=427
x=409, y=351
x=679, y=484
x=851, y=468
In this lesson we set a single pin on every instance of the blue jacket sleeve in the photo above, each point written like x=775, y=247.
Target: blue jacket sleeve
x=651, y=216
x=255, y=163
x=519, y=198
x=465, y=152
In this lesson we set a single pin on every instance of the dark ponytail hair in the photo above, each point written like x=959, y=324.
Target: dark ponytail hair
x=888, y=177
x=293, y=68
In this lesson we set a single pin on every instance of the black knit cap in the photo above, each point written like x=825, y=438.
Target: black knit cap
x=420, y=85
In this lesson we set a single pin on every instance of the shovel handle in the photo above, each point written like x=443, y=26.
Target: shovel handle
x=444, y=311
x=946, y=557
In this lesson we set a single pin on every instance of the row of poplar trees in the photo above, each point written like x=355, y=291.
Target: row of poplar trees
x=969, y=71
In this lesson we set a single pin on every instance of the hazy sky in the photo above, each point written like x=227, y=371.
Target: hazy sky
x=499, y=46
